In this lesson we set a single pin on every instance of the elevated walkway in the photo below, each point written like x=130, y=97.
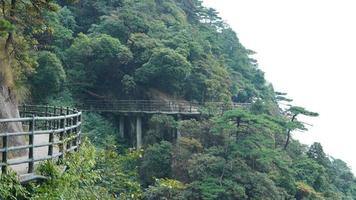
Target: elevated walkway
x=50, y=132
x=138, y=109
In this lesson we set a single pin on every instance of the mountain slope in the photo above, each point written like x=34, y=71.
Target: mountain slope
x=129, y=49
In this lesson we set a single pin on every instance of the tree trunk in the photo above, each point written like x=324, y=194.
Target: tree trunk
x=9, y=109
x=289, y=133
x=287, y=141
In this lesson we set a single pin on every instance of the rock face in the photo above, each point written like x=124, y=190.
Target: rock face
x=9, y=109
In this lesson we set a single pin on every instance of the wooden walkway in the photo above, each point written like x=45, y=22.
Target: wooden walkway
x=49, y=132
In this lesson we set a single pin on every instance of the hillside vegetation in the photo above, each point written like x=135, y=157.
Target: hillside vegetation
x=67, y=52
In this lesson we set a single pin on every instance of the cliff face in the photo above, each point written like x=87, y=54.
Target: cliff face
x=9, y=109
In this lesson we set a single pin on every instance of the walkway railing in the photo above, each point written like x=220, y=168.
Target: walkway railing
x=49, y=133
x=153, y=106
x=147, y=106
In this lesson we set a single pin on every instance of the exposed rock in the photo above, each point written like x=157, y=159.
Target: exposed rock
x=9, y=109
x=156, y=95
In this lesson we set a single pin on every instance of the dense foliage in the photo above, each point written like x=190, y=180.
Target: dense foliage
x=122, y=48
x=67, y=53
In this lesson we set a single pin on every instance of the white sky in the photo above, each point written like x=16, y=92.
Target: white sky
x=307, y=49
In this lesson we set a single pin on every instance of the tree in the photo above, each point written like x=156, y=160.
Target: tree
x=49, y=76
x=162, y=128
x=342, y=177
x=202, y=131
x=156, y=162
x=184, y=149
x=121, y=24
x=311, y=173
x=316, y=153
x=59, y=33
x=142, y=47
x=101, y=132
x=203, y=166
x=119, y=173
x=97, y=63
x=307, y=192
x=165, y=189
x=20, y=19
x=166, y=70
x=13, y=13
x=213, y=189
x=292, y=113
x=80, y=181
x=239, y=121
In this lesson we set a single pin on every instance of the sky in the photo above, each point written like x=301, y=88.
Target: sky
x=307, y=49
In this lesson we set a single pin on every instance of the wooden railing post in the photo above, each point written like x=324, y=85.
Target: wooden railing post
x=75, y=123
x=55, y=111
x=61, y=135
x=46, y=115
x=51, y=141
x=78, y=139
x=31, y=143
x=54, y=122
x=69, y=123
x=24, y=110
x=4, y=154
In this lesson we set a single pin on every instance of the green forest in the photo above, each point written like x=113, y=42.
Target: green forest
x=68, y=52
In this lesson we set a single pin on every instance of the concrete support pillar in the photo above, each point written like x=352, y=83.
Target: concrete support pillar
x=122, y=127
x=179, y=135
x=139, y=132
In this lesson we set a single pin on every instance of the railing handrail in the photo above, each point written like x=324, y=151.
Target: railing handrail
x=153, y=106
x=164, y=101
x=40, y=118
